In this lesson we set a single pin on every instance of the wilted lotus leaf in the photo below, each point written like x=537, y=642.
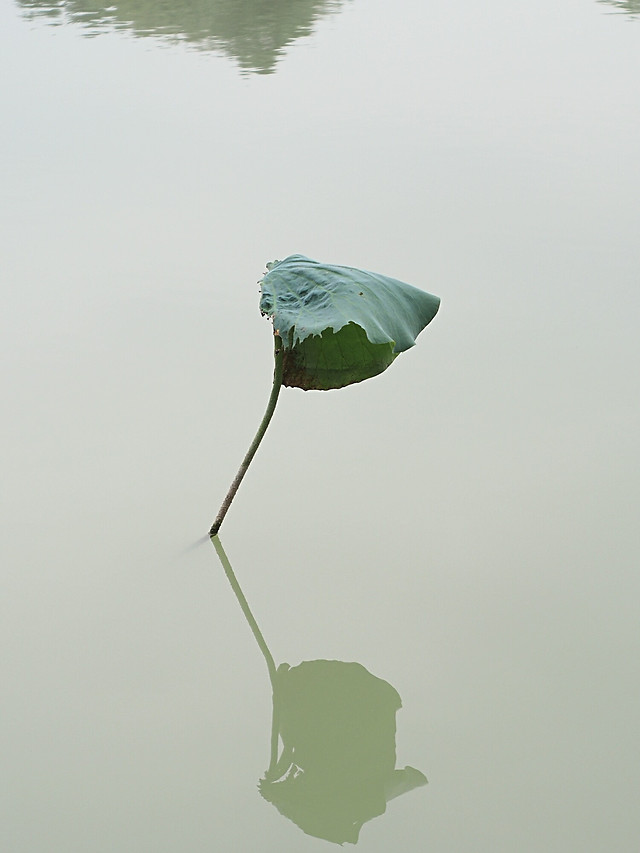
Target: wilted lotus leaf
x=340, y=325
x=332, y=326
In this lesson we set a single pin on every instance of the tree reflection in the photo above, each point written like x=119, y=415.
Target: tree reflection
x=253, y=32
x=333, y=741
x=631, y=7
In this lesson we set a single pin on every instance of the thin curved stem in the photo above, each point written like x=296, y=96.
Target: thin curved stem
x=271, y=405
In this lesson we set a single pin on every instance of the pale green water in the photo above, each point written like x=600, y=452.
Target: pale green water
x=464, y=526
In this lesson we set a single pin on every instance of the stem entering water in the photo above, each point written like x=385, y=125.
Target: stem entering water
x=271, y=405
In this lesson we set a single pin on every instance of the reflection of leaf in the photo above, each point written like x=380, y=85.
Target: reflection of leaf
x=337, y=723
x=340, y=325
x=255, y=32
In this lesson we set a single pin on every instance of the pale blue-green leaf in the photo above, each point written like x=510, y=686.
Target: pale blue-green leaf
x=339, y=324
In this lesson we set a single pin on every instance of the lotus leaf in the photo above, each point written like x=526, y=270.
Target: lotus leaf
x=338, y=324
x=332, y=326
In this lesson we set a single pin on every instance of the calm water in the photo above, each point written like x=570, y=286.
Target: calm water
x=463, y=526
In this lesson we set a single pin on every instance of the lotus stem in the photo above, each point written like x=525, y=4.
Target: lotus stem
x=271, y=405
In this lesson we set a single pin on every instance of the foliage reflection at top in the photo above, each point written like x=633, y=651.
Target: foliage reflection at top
x=253, y=32
x=631, y=7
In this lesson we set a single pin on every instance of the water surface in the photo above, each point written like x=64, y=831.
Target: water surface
x=463, y=526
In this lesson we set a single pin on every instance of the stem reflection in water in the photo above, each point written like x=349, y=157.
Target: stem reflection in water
x=336, y=723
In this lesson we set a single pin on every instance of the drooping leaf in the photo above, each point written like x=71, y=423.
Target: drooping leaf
x=340, y=325
x=333, y=326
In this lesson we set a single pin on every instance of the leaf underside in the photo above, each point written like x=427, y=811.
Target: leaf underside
x=340, y=325
x=335, y=359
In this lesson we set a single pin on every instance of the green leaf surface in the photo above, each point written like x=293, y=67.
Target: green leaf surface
x=340, y=325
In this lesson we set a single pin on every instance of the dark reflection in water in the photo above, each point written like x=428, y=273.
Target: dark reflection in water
x=337, y=770
x=254, y=32
x=631, y=7
x=333, y=741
